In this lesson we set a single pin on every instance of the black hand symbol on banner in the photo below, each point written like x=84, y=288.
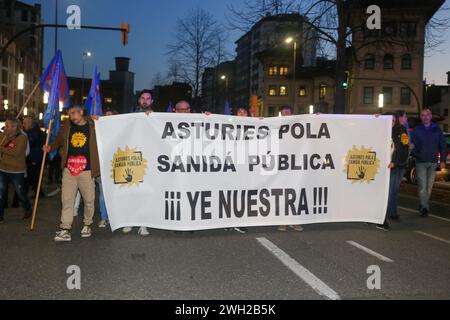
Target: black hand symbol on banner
x=362, y=173
x=128, y=176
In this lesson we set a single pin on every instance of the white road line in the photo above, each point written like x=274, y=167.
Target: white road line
x=417, y=212
x=440, y=218
x=371, y=252
x=433, y=237
x=408, y=210
x=320, y=287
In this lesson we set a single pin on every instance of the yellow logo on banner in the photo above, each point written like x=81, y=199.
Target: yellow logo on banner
x=362, y=165
x=78, y=140
x=128, y=167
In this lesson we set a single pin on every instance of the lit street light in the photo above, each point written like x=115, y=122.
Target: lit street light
x=290, y=40
x=20, y=87
x=21, y=81
x=5, y=104
x=311, y=109
x=381, y=101
x=225, y=78
x=46, y=96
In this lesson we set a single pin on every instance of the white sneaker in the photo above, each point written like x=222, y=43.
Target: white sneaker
x=143, y=232
x=127, y=230
x=63, y=236
x=103, y=224
x=86, y=232
x=297, y=228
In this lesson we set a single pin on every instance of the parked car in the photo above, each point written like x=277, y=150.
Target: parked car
x=411, y=174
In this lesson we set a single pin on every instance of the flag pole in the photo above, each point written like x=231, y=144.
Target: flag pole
x=38, y=191
x=28, y=99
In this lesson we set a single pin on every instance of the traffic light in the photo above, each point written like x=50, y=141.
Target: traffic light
x=125, y=31
x=346, y=82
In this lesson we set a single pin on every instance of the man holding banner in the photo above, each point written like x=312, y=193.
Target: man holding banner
x=80, y=168
x=203, y=173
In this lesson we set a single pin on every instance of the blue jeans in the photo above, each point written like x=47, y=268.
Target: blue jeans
x=18, y=180
x=101, y=200
x=426, y=175
x=397, y=175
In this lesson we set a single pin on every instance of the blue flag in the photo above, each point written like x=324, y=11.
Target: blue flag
x=52, y=111
x=170, y=107
x=93, y=104
x=48, y=78
x=227, y=110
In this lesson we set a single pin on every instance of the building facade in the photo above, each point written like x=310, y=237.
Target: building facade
x=218, y=86
x=24, y=55
x=270, y=33
x=389, y=61
x=312, y=91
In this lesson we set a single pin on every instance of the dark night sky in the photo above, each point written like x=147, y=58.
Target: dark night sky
x=152, y=26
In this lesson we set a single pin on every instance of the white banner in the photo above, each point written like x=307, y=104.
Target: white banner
x=196, y=172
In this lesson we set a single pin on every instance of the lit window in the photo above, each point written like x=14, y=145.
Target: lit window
x=273, y=70
x=323, y=91
x=272, y=91
x=284, y=71
x=283, y=91
x=302, y=92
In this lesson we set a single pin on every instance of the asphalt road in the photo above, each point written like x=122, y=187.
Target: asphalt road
x=323, y=262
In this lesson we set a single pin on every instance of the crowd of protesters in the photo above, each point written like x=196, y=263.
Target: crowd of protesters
x=77, y=169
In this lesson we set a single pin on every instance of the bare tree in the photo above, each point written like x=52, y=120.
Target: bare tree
x=158, y=80
x=196, y=41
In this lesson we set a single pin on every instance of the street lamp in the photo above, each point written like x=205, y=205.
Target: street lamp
x=25, y=111
x=290, y=40
x=86, y=55
x=5, y=104
x=311, y=109
x=381, y=102
x=46, y=96
x=21, y=81
x=225, y=78
x=41, y=116
x=20, y=87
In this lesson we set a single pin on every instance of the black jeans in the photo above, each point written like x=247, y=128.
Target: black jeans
x=33, y=171
x=54, y=171
x=18, y=180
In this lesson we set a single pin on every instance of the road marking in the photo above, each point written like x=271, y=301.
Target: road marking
x=440, y=218
x=371, y=252
x=320, y=287
x=417, y=212
x=433, y=237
